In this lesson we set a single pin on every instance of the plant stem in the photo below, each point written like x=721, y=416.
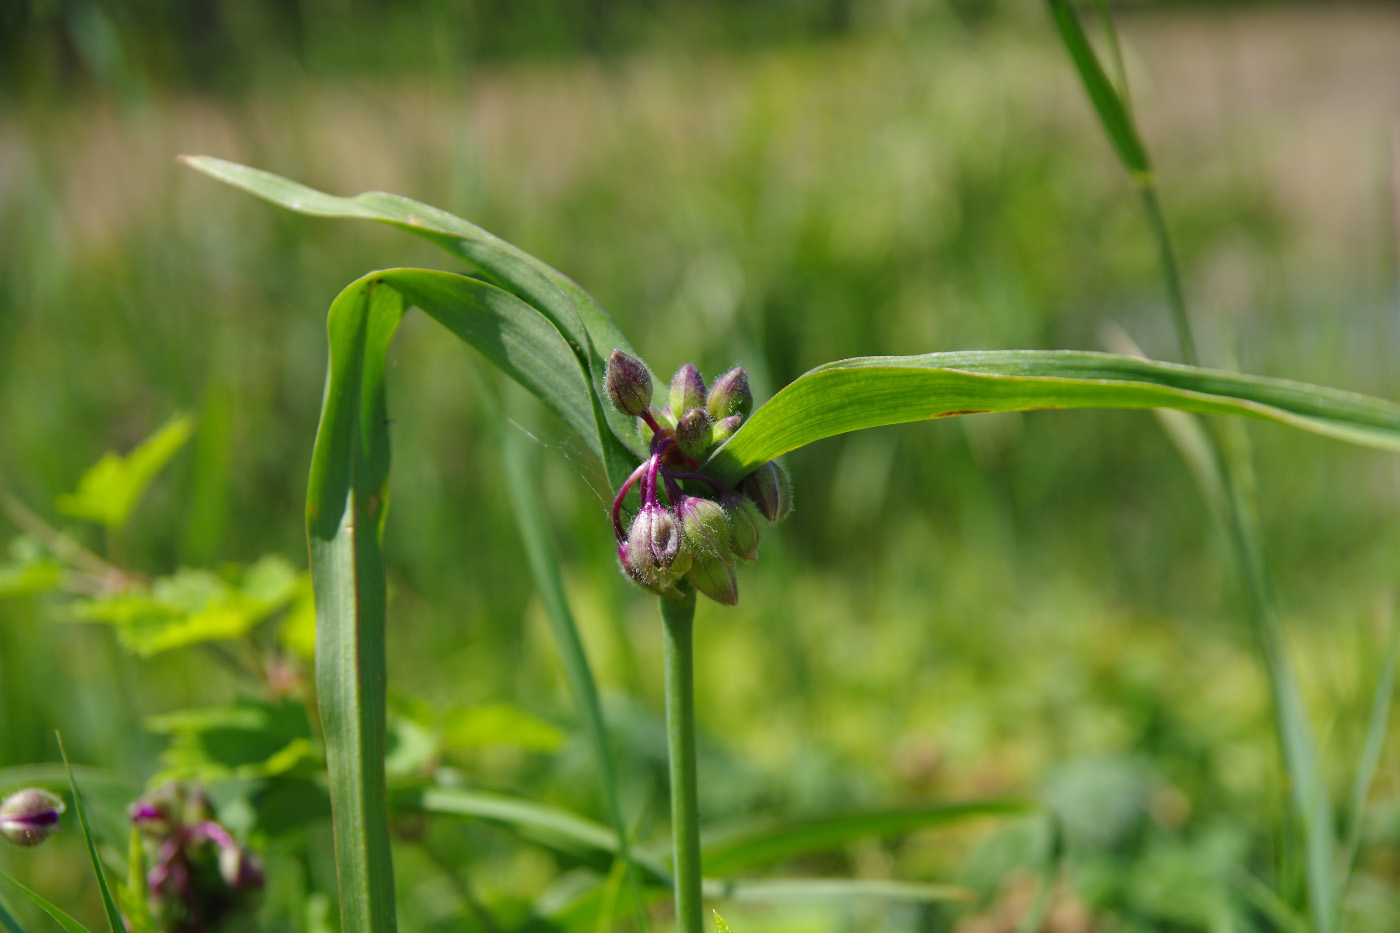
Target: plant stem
x=677, y=620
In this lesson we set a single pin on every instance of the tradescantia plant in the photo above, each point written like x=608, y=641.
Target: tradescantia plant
x=701, y=466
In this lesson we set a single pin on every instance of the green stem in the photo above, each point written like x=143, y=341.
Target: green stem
x=677, y=619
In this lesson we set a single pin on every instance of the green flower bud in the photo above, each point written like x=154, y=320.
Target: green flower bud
x=745, y=526
x=653, y=543
x=694, y=432
x=628, y=383
x=715, y=579
x=730, y=395
x=725, y=427
x=29, y=816
x=770, y=489
x=687, y=390
x=705, y=529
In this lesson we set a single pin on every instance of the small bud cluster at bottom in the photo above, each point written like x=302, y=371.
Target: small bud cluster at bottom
x=29, y=816
x=691, y=526
x=199, y=867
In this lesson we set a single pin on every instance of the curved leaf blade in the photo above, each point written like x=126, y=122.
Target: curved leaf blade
x=868, y=392
x=114, y=917
x=53, y=910
x=591, y=332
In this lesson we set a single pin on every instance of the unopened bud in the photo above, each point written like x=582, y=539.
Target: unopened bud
x=730, y=395
x=745, y=526
x=770, y=489
x=725, y=427
x=695, y=432
x=687, y=390
x=653, y=543
x=628, y=383
x=705, y=529
x=715, y=578
x=29, y=816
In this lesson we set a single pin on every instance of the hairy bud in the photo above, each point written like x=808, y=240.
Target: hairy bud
x=730, y=395
x=687, y=390
x=695, y=432
x=715, y=578
x=628, y=383
x=745, y=526
x=770, y=489
x=705, y=529
x=725, y=427
x=29, y=816
x=653, y=543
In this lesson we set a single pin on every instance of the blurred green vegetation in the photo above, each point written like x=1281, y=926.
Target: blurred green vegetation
x=1031, y=604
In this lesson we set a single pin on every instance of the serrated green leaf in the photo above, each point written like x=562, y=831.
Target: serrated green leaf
x=238, y=741
x=109, y=491
x=868, y=392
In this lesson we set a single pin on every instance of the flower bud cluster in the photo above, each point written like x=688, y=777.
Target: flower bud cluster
x=200, y=869
x=29, y=816
x=690, y=526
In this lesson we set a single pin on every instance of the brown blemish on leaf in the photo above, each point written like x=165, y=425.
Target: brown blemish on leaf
x=964, y=411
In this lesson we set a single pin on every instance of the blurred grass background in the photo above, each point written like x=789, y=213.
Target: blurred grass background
x=1025, y=604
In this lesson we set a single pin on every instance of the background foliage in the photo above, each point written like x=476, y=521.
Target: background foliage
x=1022, y=604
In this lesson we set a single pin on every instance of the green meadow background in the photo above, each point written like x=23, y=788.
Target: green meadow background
x=1032, y=605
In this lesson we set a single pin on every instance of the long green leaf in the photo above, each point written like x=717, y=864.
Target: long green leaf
x=346, y=505
x=64, y=920
x=750, y=847
x=590, y=332
x=114, y=917
x=871, y=391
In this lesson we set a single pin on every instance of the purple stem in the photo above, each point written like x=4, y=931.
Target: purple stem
x=701, y=477
x=622, y=494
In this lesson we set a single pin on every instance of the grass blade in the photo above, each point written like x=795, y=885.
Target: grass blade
x=8, y=921
x=528, y=818
x=591, y=333
x=803, y=889
x=867, y=392
x=751, y=847
x=64, y=920
x=109, y=906
x=544, y=567
x=1370, y=757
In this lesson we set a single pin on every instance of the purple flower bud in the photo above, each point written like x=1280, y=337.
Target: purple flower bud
x=705, y=529
x=687, y=390
x=715, y=578
x=628, y=383
x=730, y=395
x=725, y=427
x=29, y=816
x=694, y=432
x=745, y=526
x=653, y=543
x=770, y=489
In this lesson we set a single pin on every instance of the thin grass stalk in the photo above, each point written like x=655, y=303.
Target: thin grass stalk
x=678, y=622
x=1295, y=738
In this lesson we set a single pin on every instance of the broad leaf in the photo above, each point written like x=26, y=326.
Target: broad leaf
x=872, y=391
